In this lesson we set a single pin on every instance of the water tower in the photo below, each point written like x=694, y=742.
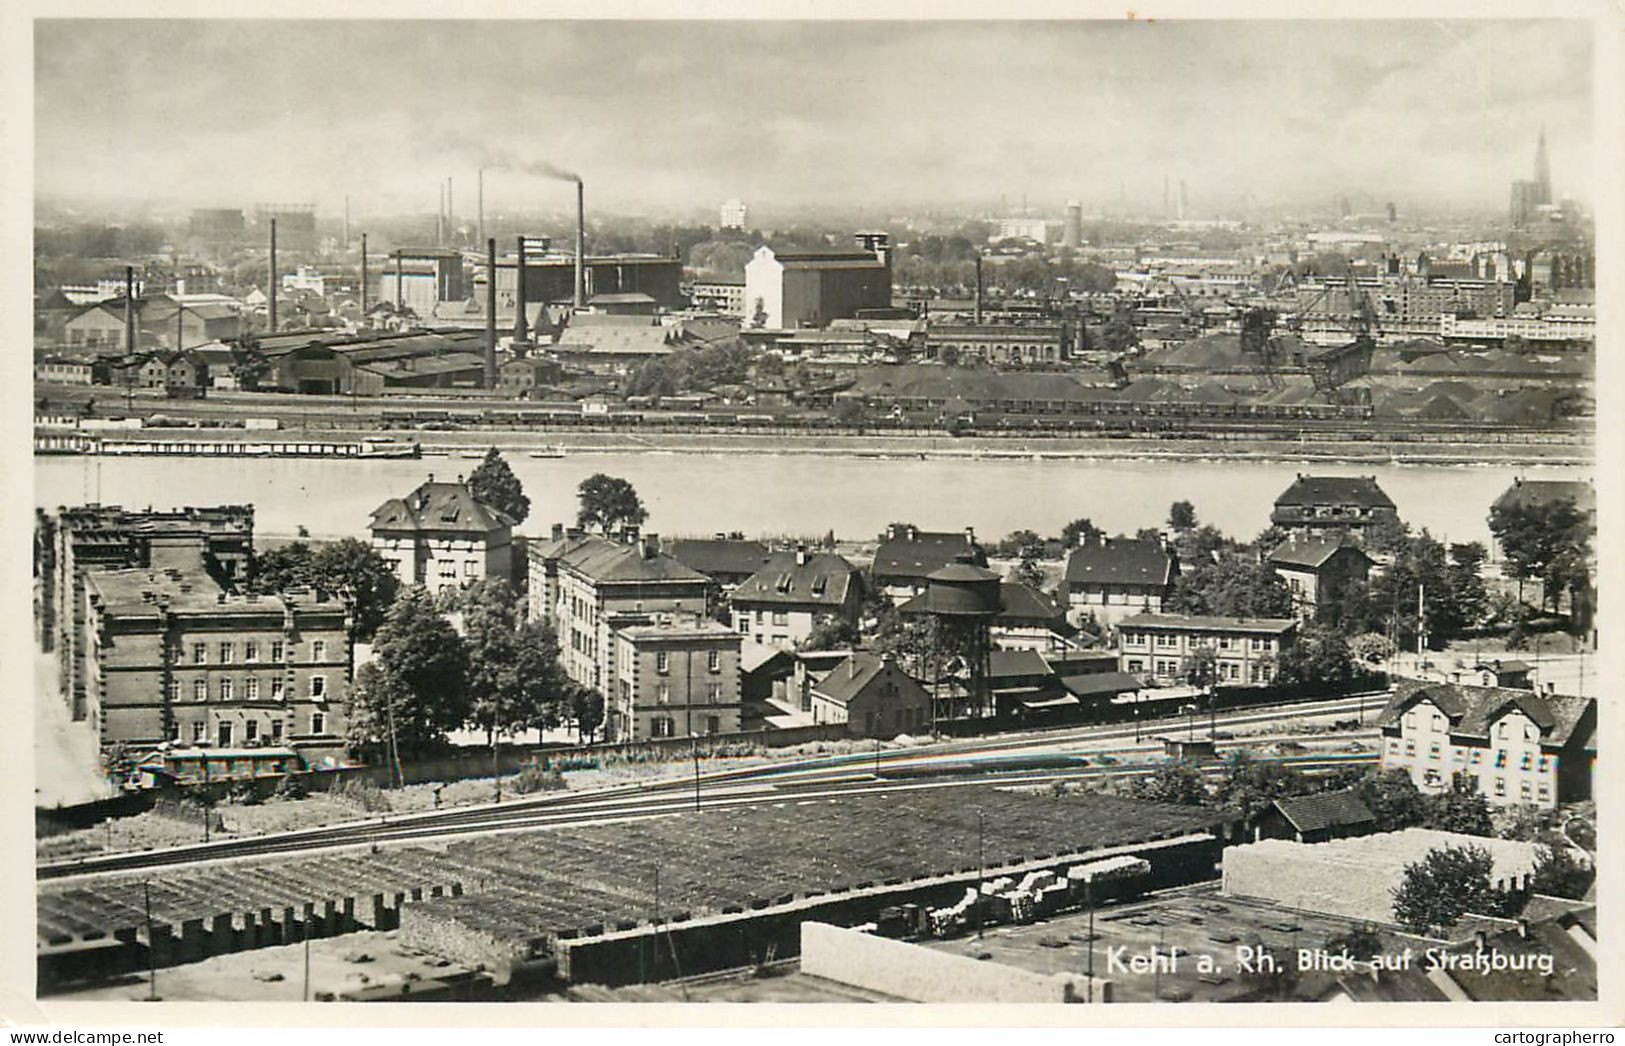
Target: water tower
x=963, y=599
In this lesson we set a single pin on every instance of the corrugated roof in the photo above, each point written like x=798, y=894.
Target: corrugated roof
x=1121, y=561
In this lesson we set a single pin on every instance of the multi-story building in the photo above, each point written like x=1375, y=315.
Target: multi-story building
x=588, y=586
x=1513, y=747
x=1000, y=343
x=1325, y=506
x=807, y=287
x=782, y=602
x=1318, y=572
x=725, y=296
x=1244, y=649
x=908, y=555
x=441, y=536
x=1108, y=579
x=733, y=214
x=171, y=657
x=872, y=695
x=1561, y=323
x=675, y=675
x=1530, y=493
x=728, y=560
x=422, y=277
x=1034, y=229
x=90, y=538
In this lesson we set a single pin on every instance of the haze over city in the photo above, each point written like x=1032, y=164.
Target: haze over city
x=664, y=116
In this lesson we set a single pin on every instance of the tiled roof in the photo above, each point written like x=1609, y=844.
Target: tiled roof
x=1024, y=603
x=1005, y=664
x=715, y=556
x=1312, y=553
x=1096, y=684
x=824, y=579
x=926, y=551
x=1335, y=490
x=604, y=560
x=1192, y=623
x=1121, y=561
x=852, y=676
x=1473, y=710
x=438, y=507
x=1312, y=813
x=1526, y=492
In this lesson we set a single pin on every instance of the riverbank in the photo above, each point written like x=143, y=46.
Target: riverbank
x=1432, y=448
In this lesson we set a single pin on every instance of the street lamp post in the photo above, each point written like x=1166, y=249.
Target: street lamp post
x=152, y=952
x=981, y=872
x=696, y=739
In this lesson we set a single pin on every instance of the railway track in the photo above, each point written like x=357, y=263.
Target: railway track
x=1005, y=761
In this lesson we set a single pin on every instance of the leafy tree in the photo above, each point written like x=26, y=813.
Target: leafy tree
x=515, y=680
x=1178, y=783
x=1027, y=571
x=1182, y=516
x=1459, y=810
x=949, y=355
x=1232, y=586
x=1320, y=656
x=349, y=569
x=1078, y=528
x=1361, y=943
x=848, y=411
x=1544, y=541
x=586, y=708
x=1444, y=885
x=282, y=568
x=1559, y=874
x=1392, y=797
x=608, y=503
x=416, y=690
x=1249, y=784
x=1017, y=541
x=1119, y=335
x=1371, y=648
x=1385, y=536
x=493, y=483
x=830, y=632
x=1201, y=545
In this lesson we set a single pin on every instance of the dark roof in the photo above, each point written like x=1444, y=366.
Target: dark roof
x=715, y=556
x=606, y=561
x=853, y=675
x=823, y=579
x=625, y=298
x=438, y=507
x=924, y=552
x=1095, y=684
x=1313, y=553
x=1313, y=813
x=825, y=254
x=1005, y=664
x=1526, y=492
x=1194, y=623
x=1473, y=710
x=1121, y=561
x=1335, y=490
x=1022, y=602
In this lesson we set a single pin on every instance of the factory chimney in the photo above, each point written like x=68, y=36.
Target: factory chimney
x=363, y=277
x=480, y=193
x=520, y=334
x=451, y=212
x=129, y=309
x=272, y=281
x=976, y=313
x=581, y=245
x=346, y=240
x=440, y=217
x=491, y=313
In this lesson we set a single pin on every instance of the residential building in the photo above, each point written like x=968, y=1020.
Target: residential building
x=1513, y=747
x=873, y=696
x=172, y=658
x=733, y=214
x=1162, y=646
x=808, y=287
x=784, y=600
x=1109, y=579
x=726, y=559
x=1532, y=493
x=676, y=675
x=1315, y=818
x=441, y=536
x=1325, y=506
x=521, y=374
x=1317, y=571
x=78, y=541
x=1030, y=620
x=908, y=555
x=62, y=370
x=588, y=585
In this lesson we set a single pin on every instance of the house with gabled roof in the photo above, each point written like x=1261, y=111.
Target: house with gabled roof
x=441, y=536
x=1325, y=506
x=908, y=555
x=783, y=601
x=1317, y=571
x=1030, y=620
x=1532, y=493
x=1315, y=818
x=728, y=561
x=1514, y=747
x=1109, y=579
x=873, y=696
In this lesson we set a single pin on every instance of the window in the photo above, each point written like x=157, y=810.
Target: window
x=224, y=734
x=1500, y=758
x=758, y=616
x=318, y=722
x=744, y=622
x=662, y=726
x=1393, y=744
x=663, y=692
x=1501, y=729
x=713, y=693
x=1410, y=747
x=276, y=688
x=1433, y=751
x=713, y=724
x=1524, y=789
x=175, y=731
x=276, y=651
x=251, y=730
x=225, y=690
x=1136, y=665
x=1500, y=786
x=1438, y=723
x=251, y=651
x=318, y=650
x=1224, y=642
x=1410, y=720
x=197, y=732
x=713, y=660
x=200, y=653
x=225, y=653
x=276, y=729
x=780, y=617
x=318, y=686
x=1256, y=644
x=448, y=570
x=251, y=690
x=1166, y=640
x=200, y=690
x=470, y=569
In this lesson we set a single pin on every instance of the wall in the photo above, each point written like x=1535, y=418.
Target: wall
x=920, y=974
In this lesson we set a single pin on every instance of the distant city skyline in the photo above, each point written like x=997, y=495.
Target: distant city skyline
x=664, y=117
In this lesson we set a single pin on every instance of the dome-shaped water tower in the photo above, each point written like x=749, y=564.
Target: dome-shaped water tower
x=963, y=599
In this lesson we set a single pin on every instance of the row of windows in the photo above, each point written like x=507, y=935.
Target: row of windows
x=1503, y=730
x=1170, y=641
x=780, y=617
x=1498, y=786
x=713, y=661
x=666, y=726
x=713, y=692
x=1526, y=760
x=1229, y=671
x=226, y=651
x=225, y=732
x=227, y=689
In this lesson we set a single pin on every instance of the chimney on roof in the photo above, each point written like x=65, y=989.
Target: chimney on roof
x=572, y=532
x=891, y=531
x=913, y=533
x=801, y=555
x=970, y=535
x=558, y=531
x=649, y=545
x=852, y=665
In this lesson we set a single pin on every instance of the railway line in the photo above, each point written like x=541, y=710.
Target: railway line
x=1008, y=761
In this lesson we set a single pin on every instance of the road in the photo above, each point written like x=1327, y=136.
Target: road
x=1030, y=759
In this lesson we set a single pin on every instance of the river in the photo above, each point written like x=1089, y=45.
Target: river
x=773, y=495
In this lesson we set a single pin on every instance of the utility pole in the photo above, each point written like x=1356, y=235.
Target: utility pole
x=981, y=871
x=363, y=277
x=307, y=963
x=272, y=280
x=496, y=764
x=695, y=738
x=152, y=955
x=1421, y=618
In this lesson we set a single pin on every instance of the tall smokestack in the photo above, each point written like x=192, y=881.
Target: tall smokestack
x=400, y=281
x=272, y=295
x=491, y=313
x=363, y=277
x=581, y=245
x=345, y=243
x=520, y=332
x=440, y=217
x=451, y=212
x=976, y=311
x=481, y=195
x=129, y=309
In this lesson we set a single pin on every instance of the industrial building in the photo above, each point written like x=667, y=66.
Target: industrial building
x=550, y=278
x=420, y=278
x=808, y=287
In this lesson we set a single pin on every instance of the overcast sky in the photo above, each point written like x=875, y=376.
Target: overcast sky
x=657, y=116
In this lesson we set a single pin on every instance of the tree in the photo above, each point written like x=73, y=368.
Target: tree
x=1027, y=571
x=493, y=484
x=1119, y=335
x=1320, y=656
x=1371, y=648
x=416, y=690
x=1460, y=810
x=1232, y=586
x=515, y=680
x=1542, y=541
x=1559, y=874
x=1178, y=783
x=1435, y=892
x=1182, y=516
x=608, y=503
x=830, y=632
x=1078, y=528
x=949, y=355
x=1392, y=797
x=1249, y=785
x=586, y=708
x=279, y=569
x=349, y=569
